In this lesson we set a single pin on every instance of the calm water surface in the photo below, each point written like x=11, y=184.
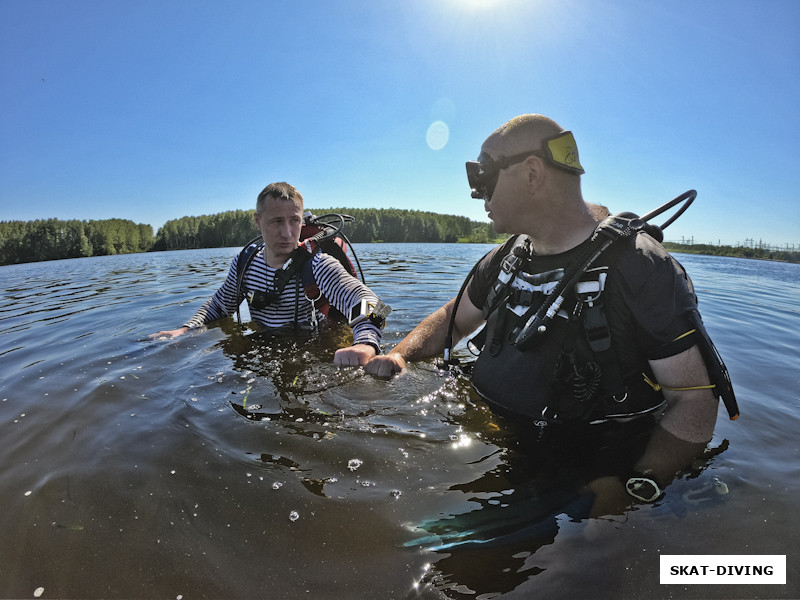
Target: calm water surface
x=228, y=464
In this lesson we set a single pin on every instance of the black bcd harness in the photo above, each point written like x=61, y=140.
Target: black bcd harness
x=577, y=294
x=318, y=234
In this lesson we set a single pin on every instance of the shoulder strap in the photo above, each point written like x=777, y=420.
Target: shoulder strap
x=297, y=260
x=244, y=260
x=309, y=282
x=535, y=321
x=509, y=267
x=307, y=272
x=296, y=264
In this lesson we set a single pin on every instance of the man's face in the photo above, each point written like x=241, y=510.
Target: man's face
x=501, y=205
x=279, y=222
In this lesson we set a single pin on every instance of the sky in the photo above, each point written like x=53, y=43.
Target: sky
x=151, y=110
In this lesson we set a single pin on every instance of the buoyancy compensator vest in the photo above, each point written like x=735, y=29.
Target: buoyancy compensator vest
x=317, y=234
x=546, y=348
x=571, y=371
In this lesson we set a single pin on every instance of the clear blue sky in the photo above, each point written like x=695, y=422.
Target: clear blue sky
x=150, y=110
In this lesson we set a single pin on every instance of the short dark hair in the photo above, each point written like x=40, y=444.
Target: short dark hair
x=279, y=191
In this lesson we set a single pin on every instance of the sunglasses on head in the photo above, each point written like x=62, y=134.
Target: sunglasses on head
x=560, y=150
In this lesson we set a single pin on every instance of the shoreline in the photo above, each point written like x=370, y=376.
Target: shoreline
x=785, y=256
x=722, y=251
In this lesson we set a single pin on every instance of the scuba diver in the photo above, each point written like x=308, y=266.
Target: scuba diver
x=290, y=280
x=590, y=325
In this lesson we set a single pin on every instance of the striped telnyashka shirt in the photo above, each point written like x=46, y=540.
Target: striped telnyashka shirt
x=341, y=289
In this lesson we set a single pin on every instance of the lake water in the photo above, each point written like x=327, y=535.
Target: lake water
x=225, y=464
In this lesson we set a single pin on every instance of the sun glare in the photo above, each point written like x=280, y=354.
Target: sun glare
x=475, y=4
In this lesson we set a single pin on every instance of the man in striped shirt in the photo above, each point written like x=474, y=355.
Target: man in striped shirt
x=279, y=217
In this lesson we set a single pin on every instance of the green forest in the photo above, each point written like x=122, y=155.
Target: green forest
x=51, y=239
x=759, y=251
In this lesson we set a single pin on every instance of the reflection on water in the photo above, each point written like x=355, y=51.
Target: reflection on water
x=234, y=463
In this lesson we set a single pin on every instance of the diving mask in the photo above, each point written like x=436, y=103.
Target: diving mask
x=560, y=150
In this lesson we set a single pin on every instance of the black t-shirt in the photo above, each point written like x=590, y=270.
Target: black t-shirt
x=646, y=299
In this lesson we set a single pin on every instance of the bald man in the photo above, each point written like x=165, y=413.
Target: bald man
x=622, y=347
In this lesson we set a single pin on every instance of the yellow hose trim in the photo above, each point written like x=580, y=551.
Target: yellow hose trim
x=683, y=335
x=658, y=387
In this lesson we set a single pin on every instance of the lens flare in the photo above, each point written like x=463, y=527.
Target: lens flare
x=437, y=136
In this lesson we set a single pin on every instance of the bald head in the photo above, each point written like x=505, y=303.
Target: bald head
x=527, y=133
x=524, y=133
x=530, y=174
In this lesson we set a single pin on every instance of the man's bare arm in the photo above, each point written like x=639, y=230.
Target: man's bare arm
x=681, y=435
x=428, y=338
x=688, y=424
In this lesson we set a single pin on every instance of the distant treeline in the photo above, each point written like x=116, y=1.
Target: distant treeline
x=230, y=228
x=234, y=228
x=735, y=251
x=51, y=239
x=29, y=241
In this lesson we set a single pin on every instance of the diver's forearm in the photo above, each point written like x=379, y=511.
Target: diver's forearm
x=427, y=338
x=667, y=455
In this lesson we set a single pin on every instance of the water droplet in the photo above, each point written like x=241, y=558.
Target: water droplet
x=354, y=463
x=38, y=592
x=294, y=515
x=395, y=494
x=277, y=485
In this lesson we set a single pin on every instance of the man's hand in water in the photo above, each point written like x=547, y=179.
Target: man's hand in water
x=386, y=365
x=168, y=334
x=354, y=356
